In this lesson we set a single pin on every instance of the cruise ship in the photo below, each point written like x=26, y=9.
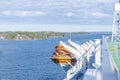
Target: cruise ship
x=97, y=59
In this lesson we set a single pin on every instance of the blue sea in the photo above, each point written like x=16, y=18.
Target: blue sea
x=30, y=59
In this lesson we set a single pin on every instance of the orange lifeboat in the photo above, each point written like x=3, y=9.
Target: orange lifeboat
x=62, y=56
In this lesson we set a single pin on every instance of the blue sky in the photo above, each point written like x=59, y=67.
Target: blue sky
x=66, y=12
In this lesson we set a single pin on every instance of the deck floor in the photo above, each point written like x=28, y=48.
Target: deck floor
x=108, y=70
x=114, y=48
x=105, y=71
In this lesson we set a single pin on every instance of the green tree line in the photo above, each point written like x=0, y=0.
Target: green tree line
x=30, y=35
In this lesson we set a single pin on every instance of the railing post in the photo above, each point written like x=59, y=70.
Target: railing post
x=97, y=53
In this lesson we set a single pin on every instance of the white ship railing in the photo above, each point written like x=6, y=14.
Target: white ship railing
x=84, y=51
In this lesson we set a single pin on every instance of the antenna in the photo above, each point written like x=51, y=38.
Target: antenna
x=70, y=14
x=70, y=33
x=116, y=22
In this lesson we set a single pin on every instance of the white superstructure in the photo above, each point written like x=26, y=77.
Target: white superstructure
x=116, y=22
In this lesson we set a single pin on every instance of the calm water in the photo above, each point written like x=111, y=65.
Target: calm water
x=30, y=60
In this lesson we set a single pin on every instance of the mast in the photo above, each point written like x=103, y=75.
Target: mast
x=70, y=33
x=70, y=14
x=116, y=22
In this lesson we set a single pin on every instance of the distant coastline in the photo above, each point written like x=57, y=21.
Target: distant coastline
x=80, y=33
x=20, y=35
x=30, y=35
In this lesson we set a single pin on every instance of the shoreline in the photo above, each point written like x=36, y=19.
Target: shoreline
x=30, y=35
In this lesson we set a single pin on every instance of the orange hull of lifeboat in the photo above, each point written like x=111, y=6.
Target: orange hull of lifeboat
x=62, y=56
x=63, y=61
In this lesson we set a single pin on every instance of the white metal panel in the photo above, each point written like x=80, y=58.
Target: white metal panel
x=117, y=7
x=90, y=74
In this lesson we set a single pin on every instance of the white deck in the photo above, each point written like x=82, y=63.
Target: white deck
x=93, y=74
x=105, y=71
x=108, y=70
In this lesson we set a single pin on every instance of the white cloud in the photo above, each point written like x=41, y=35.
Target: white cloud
x=80, y=10
x=106, y=1
x=23, y=13
x=7, y=13
x=97, y=1
x=30, y=13
x=99, y=15
x=70, y=14
x=93, y=8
